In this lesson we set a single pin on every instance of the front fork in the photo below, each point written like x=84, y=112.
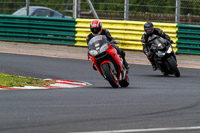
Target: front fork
x=119, y=61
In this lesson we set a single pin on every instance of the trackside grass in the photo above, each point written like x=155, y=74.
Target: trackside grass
x=14, y=80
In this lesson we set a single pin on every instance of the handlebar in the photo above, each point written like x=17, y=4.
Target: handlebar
x=115, y=42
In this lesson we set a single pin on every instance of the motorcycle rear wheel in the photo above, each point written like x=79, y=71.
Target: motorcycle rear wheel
x=109, y=76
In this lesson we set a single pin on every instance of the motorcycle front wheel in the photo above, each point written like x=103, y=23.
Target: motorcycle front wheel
x=173, y=66
x=112, y=79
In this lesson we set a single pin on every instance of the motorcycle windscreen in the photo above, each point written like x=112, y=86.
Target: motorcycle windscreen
x=97, y=42
x=159, y=43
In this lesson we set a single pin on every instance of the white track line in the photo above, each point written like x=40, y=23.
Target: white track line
x=145, y=130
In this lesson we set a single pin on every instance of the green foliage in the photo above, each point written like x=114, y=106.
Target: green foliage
x=151, y=6
x=9, y=6
x=190, y=7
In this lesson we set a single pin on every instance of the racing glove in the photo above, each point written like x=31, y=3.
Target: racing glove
x=114, y=42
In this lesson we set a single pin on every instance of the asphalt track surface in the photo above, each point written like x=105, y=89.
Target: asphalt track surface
x=151, y=102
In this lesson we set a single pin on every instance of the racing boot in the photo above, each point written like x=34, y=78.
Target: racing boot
x=154, y=66
x=122, y=55
x=150, y=58
x=126, y=65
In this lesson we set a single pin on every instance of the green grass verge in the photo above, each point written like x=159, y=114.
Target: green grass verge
x=14, y=80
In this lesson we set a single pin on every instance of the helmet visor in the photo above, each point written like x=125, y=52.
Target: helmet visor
x=148, y=30
x=95, y=30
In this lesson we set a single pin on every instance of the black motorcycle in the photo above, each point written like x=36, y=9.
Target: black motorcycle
x=164, y=56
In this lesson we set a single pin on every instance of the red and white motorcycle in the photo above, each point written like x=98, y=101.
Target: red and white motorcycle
x=107, y=61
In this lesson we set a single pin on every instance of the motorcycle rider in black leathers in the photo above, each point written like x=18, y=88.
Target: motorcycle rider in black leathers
x=96, y=29
x=150, y=31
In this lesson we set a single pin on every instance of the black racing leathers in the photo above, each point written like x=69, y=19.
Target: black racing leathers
x=110, y=39
x=145, y=37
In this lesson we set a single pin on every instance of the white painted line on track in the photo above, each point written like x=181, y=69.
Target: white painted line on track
x=145, y=130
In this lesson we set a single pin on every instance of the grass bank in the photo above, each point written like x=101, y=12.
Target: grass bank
x=18, y=81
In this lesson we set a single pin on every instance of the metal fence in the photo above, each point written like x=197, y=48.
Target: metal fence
x=180, y=11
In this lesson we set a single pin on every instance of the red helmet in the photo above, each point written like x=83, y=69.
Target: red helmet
x=96, y=27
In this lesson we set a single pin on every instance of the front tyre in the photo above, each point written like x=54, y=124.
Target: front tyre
x=112, y=79
x=173, y=66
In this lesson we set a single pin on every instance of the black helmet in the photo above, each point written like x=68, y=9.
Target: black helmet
x=96, y=27
x=148, y=28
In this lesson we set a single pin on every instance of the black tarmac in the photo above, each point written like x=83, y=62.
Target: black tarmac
x=151, y=101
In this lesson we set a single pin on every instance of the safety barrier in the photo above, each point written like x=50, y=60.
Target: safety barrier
x=188, y=39
x=129, y=33
x=37, y=29
x=74, y=32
